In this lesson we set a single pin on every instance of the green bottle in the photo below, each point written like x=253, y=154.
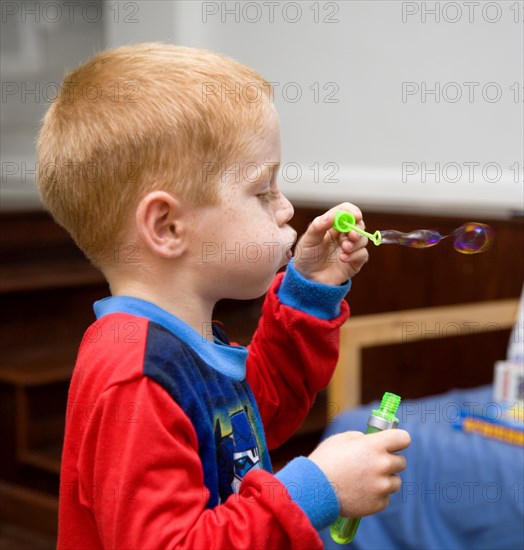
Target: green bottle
x=383, y=418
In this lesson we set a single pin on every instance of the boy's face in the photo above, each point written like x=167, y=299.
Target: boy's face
x=242, y=242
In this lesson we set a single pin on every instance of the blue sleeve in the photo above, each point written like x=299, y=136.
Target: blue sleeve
x=310, y=489
x=317, y=299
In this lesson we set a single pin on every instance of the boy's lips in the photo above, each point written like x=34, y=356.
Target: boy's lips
x=292, y=241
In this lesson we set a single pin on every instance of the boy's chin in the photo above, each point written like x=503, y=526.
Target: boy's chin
x=250, y=294
x=250, y=290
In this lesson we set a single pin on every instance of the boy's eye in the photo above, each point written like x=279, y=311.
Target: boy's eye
x=268, y=196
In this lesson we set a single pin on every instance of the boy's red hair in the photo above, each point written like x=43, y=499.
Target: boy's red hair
x=141, y=118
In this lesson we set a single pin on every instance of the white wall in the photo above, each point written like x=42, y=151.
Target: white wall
x=379, y=145
x=351, y=135
x=40, y=41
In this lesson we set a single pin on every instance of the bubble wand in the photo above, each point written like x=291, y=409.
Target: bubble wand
x=470, y=238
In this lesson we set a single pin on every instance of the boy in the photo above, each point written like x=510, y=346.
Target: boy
x=165, y=445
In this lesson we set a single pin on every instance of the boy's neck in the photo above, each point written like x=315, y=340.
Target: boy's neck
x=179, y=301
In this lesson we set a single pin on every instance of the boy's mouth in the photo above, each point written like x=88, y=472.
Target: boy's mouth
x=289, y=247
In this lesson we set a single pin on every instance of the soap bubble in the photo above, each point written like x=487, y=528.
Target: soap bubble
x=420, y=238
x=472, y=238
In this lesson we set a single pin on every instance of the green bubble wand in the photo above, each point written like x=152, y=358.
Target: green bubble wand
x=345, y=222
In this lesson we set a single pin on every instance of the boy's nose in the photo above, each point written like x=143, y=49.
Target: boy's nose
x=285, y=210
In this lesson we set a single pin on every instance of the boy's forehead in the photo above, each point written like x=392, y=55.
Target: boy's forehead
x=251, y=173
x=261, y=160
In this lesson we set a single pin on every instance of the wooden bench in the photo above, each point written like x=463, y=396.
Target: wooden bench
x=408, y=326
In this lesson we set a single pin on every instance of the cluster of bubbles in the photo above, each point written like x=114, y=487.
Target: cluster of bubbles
x=470, y=238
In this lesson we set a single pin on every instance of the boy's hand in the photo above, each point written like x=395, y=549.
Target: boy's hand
x=327, y=256
x=363, y=468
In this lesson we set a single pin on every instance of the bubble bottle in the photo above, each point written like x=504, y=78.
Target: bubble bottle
x=383, y=418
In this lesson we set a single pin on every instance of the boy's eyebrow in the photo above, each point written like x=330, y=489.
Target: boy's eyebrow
x=262, y=170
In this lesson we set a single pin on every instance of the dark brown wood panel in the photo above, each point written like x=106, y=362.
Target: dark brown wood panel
x=432, y=366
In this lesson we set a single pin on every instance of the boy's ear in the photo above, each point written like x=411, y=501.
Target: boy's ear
x=159, y=224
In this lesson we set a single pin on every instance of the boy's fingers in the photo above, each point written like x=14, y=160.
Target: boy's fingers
x=321, y=224
x=394, y=440
x=355, y=245
x=317, y=229
x=396, y=484
x=398, y=464
x=400, y=440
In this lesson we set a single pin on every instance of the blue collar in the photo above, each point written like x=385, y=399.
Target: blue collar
x=226, y=359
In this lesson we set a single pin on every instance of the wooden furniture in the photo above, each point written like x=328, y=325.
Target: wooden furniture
x=407, y=327
x=46, y=291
